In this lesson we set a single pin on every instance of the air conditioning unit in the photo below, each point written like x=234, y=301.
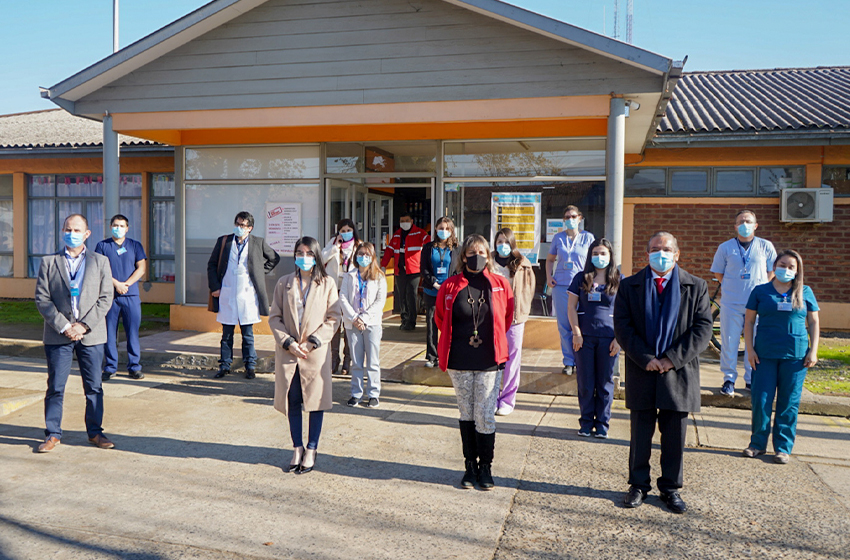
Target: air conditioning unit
x=806, y=205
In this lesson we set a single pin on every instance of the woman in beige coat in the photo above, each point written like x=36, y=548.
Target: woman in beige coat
x=304, y=316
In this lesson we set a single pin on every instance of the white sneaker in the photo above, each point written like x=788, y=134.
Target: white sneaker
x=504, y=410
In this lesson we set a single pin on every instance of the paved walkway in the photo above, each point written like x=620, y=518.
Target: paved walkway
x=198, y=473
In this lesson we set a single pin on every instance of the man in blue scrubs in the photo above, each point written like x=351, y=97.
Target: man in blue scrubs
x=127, y=258
x=740, y=264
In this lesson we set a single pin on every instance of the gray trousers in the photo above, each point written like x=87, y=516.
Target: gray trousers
x=365, y=348
x=477, y=393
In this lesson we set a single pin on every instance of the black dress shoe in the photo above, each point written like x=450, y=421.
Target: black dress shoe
x=250, y=373
x=634, y=498
x=137, y=375
x=221, y=373
x=674, y=502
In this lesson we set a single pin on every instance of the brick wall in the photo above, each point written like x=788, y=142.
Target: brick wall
x=825, y=248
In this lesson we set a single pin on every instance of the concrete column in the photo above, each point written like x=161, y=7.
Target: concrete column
x=179, y=228
x=616, y=153
x=111, y=173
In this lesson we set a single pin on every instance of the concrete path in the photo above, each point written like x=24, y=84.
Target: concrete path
x=198, y=472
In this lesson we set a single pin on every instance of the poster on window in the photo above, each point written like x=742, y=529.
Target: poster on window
x=521, y=213
x=283, y=226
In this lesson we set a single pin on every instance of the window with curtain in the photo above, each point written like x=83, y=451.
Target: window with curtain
x=162, y=228
x=6, y=227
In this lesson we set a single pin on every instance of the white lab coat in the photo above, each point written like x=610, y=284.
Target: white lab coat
x=238, y=303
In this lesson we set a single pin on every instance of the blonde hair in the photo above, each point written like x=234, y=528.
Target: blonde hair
x=373, y=271
x=452, y=241
x=473, y=240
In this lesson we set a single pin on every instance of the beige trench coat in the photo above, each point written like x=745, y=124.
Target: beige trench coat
x=321, y=319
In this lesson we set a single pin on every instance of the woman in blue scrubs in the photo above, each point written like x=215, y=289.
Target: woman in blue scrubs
x=781, y=353
x=566, y=258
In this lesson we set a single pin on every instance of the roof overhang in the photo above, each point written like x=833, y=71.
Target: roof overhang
x=751, y=139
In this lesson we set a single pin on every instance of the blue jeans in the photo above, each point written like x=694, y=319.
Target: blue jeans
x=595, y=380
x=129, y=310
x=784, y=379
x=249, y=354
x=59, y=361
x=296, y=399
x=560, y=304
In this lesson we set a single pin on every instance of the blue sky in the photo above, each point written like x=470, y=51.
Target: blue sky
x=44, y=41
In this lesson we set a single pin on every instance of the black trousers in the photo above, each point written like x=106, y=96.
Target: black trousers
x=432, y=334
x=673, y=427
x=406, y=286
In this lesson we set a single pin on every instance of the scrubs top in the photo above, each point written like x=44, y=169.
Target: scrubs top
x=742, y=269
x=595, y=318
x=781, y=335
x=571, y=254
x=441, y=262
x=122, y=259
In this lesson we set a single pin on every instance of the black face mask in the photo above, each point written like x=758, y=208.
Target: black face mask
x=476, y=263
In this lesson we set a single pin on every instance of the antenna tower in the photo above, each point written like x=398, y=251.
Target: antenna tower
x=616, y=19
x=630, y=15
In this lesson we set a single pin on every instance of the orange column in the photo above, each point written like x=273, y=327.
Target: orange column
x=813, y=175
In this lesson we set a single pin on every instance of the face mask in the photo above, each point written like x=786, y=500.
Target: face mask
x=572, y=223
x=406, y=225
x=118, y=232
x=784, y=275
x=347, y=235
x=305, y=263
x=240, y=232
x=600, y=261
x=503, y=249
x=443, y=234
x=661, y=261
x=364, y=260
x=73, y=239
x=476, y=263
x=746, y=230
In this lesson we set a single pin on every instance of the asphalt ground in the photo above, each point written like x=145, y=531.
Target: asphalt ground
x=199, y=471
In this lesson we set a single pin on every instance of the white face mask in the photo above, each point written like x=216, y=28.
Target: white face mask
x=406, y=225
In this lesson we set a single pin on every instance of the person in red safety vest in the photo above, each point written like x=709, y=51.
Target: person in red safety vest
x=406, y=247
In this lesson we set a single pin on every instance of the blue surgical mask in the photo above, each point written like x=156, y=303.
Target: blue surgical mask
x=503, y=249
x=600, y=261
x=746, y=229
x=305, y=263
x=240, y=232
x=661, y=261
x=443, y=234
x=572, y=223
x=364, y=260
x=73, y=239
x=784, y=274
x=118, y=232
x=346, y=235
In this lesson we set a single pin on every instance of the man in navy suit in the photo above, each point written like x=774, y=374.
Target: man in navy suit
x=73, y=293
x=662, y=320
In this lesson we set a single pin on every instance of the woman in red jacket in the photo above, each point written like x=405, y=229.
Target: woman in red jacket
x=474, y=310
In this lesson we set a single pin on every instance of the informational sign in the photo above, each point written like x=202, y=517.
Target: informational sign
x=283, y=226
x=553, y=228
x=521, y=213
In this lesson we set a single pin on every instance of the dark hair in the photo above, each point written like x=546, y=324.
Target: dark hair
x=471, y=240
x=570, y=208
x=313, y=246
x=405, y=214
x=452, y=241
x=119, y=217
x=797, y=283
x=85, y=220
x=515, y=258
x=350, y=223
x=612, y=275
x=746, y=211
x=244, y=216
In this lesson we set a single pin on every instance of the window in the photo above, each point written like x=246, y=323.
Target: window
x=526, y=158
x=381, y=157
x=6, y=227
x=130, y=204
x=689, y=181
x=643, y=181
x=838, y=178
x=772, y=179
x=734, y=181
x=162, y=228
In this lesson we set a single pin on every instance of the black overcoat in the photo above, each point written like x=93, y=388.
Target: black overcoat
x=261, y=260
x=679, y=388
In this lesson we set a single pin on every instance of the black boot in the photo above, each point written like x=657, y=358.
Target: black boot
x=470, y=452
x=486, y=444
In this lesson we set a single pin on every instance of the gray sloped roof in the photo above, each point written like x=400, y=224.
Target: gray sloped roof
x=55, y=128
x=748, y=101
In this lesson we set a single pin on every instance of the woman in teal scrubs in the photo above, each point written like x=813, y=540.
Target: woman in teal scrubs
x=781, y=353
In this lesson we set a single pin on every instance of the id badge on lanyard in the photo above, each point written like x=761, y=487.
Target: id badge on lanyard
x=745, y=256
x=594, y=296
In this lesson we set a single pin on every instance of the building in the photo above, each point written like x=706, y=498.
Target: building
x=440, y=106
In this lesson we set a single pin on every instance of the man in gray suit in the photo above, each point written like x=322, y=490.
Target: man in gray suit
x=73, y=293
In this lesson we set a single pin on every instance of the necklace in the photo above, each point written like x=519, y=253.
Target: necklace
x=475, y=340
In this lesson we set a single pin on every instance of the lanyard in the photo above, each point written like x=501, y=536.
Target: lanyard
x=239, y=248
x=361, y=287
x=571, y=244
x=745, y=255
x=79, y=259
x=442, y=253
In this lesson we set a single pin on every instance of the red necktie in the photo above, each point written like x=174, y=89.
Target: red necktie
x=659, y=285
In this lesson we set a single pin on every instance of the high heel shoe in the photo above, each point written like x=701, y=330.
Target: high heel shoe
x=304, y=467
x=297, y=456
